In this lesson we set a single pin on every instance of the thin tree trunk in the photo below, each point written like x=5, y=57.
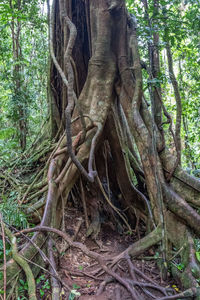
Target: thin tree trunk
x=178, y=101
x=17, y=76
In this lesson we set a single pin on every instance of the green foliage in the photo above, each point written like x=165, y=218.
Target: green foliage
x=12, y=213
x=8, y=252
x=43, y=284
x=197, y=247
x=177, y=24
x=22, y=289
x=180, y=267
x=31, y=78
x=74, y=293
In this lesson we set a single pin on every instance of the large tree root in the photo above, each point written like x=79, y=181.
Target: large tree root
x=104, y=261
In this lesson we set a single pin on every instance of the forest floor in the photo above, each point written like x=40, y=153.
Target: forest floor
x=82, y=274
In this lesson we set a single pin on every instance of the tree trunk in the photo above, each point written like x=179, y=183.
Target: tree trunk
x=97, y=87
x=18, y=96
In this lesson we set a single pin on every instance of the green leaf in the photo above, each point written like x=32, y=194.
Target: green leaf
x=75, y=286
x=22, y=281
x=73, y=294
x=180, y=267
x=42, y=292
x=198, y=255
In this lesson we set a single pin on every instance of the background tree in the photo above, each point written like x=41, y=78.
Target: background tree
x=23, y=55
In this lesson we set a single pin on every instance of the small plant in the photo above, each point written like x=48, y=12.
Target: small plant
x=197, y=246
x=43, y=283
x=76, y=287
x=129, y=232
x=157, y=255
x=22, y=289
x=180, y=267
x=74, y=293
x=8, y=251
x=41, y=278
x=12, y=213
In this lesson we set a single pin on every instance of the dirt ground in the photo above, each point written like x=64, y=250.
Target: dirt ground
x=83, y=274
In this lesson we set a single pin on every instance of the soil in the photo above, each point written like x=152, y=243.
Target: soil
x=83, y=274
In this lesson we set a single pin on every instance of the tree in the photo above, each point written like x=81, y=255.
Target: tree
x=23, y=59
x=97, y=100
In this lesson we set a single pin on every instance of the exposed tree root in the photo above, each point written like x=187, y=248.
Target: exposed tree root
x=193, y=292
x=23, y=264
x=110, y=108
x=54, y=282
x=103, y=261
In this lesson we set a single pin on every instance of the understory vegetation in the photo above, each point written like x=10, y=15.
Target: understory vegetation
x=99, y=112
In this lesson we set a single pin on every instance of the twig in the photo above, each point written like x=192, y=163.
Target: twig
x=82, y=273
